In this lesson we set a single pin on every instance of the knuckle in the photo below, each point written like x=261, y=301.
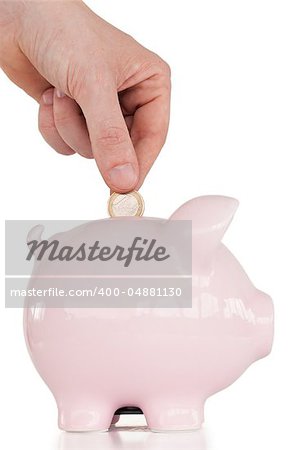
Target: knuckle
x=162, y=66
x=84, y=78
x=166, y=69
x=112, y=136
x=162, y=73
x=166, y=78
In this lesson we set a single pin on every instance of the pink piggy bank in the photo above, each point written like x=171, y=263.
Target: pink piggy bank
x=164, y=361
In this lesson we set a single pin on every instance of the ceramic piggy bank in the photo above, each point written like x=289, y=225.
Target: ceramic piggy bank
x=164, y=361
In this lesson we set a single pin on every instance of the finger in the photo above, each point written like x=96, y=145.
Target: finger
x=129, y=121
x=70, y=124
x=47, y=126
x=110, y=140
x=148, y=133
x=148, y=102
x=25, y=75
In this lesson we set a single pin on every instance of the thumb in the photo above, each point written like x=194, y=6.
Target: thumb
x=110, y=139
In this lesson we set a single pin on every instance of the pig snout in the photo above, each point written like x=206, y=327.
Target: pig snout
x=264, y=323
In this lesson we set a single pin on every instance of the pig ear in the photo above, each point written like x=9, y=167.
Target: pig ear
x=211, y=216
x=35, y=234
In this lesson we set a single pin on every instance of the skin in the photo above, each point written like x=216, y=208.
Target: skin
x=100, y=93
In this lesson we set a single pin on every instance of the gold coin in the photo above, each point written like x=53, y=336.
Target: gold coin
x=130, y=204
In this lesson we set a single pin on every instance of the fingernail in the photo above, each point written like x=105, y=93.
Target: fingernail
x=48, y=97
x=59, y=93
x=123, y=177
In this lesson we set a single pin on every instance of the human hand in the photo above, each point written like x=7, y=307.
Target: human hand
x=101, y=94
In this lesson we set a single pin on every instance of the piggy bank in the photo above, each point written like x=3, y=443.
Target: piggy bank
x=164, y=361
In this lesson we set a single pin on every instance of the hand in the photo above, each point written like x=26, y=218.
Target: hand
x=101, y=93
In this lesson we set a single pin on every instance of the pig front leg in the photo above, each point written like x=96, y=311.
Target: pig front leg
x=84, y=414
x=171, y=415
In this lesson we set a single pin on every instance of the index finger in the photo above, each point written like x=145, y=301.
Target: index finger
x=148, y=133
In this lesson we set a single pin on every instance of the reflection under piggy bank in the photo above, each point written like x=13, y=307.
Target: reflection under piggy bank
x=133, y=438
x=165, y=361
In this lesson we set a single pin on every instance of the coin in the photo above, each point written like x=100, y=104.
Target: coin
x=130, y=204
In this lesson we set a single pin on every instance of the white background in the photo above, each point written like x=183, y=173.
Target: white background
x=234, y=131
